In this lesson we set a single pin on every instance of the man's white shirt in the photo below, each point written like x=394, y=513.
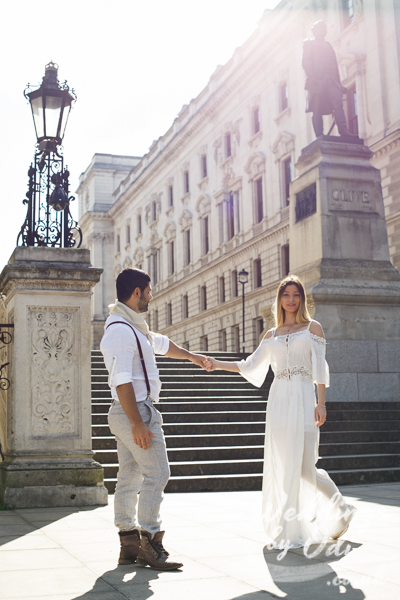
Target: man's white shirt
x=121, y=356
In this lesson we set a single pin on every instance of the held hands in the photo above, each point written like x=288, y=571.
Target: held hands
x=205, y=362
x=320, y=414
x=141, y=435
x=209, y=364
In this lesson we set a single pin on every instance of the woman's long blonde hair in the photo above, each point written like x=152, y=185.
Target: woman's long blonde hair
x=302, y=316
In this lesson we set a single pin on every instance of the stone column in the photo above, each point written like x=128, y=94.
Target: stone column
x=48, y=456
x=339, y=247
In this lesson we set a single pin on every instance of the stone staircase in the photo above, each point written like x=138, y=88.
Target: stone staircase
x=214, y=427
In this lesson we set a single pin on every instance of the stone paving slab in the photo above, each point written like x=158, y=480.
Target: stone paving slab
x=66, y=554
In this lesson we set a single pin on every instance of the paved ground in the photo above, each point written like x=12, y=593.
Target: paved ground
x=63, y=554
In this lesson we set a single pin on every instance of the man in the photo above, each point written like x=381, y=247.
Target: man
x=129, y=350
x=324, y=90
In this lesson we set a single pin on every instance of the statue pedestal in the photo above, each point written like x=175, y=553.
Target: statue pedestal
x=339, y=247
x=47, y=434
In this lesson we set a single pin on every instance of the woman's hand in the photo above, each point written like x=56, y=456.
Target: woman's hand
x=320, y=414
x=209, y=364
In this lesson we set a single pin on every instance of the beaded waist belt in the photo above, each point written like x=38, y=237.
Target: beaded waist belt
x=292, y=371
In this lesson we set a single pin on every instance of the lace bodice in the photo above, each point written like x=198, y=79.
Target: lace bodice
x=299, y=354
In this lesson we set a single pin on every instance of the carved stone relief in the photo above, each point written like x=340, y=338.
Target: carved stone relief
x=185, y=220
x=55, y=356
x=127, y=262
x=170, y=231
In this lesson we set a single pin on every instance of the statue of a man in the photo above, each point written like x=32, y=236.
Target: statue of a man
x=324, y=90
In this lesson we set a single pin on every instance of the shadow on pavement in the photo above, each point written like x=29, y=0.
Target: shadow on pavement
x=22, y=525
x=307, y=574
x=386, y=494
x=130, y=581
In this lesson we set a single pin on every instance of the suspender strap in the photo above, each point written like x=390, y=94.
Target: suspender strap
x=140, y=352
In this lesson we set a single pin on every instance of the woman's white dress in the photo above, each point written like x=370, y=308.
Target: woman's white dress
x=301, y=504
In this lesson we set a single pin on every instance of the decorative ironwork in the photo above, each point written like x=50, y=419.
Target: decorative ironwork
x=48, y=219
x=5, y=339
x=306, y=202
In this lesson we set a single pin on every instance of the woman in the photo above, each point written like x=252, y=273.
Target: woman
x=301, y=504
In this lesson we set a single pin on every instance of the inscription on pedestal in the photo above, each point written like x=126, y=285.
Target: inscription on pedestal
x=351, y=195
x=306, y=202
x=54, y=379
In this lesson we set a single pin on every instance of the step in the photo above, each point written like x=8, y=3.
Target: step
x=110, y=457
x=359, y=461
x=371, y=448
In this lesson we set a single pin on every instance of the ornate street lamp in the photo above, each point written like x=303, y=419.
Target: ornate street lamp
x=243, y=277
x=48, y=219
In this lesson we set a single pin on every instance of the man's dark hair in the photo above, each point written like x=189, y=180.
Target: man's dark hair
x=130, y=279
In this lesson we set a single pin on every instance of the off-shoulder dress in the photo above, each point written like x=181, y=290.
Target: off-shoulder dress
x=301, y=504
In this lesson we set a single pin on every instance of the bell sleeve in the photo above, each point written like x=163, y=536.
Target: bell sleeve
x=320, y=368
x=255, y=367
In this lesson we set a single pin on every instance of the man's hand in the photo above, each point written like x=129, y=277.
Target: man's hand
x=198, y=359
x=141, y=435
x=209, y=364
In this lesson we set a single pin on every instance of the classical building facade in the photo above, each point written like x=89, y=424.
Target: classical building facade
x=211, y=196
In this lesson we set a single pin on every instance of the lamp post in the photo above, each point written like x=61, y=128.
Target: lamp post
x=48, y=220
x=243, y=277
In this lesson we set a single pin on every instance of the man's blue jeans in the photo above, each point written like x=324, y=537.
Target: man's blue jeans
x=144, y=471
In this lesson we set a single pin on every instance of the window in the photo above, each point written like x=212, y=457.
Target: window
x=285, y=260
x=204, y=343
x=259, y=200
x=154, y=266
x=169, y=314
x=154, y=211
x=257, y=273
x=118, y=243
x=228, y=145
x=230, y=217
x=205, y=236
x=222, y=341
x=221, y=283
x=171, y=257
x=139, y=224
x=234, y=283
x=287, y=178
x=236, y=339
x=283, y=96
x=255, y=117
x=186, y=188
x=258, y=330
x=352, y=110
x=128, y=234
x=203, y=166
x=170, y=196
x=348, y=12
x=155, y=324
x=186, y=247
x=185, y=306
x=203, y=298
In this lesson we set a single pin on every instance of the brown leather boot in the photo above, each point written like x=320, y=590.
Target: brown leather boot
x=130, y=544
x=153, y=553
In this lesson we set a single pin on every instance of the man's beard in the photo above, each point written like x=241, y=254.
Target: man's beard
x=143, y=304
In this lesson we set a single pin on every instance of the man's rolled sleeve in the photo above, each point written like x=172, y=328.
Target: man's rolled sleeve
x=121, y=378
x=119, y=347
x=161, y=343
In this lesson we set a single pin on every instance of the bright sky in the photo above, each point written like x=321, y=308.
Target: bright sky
x=132, y=63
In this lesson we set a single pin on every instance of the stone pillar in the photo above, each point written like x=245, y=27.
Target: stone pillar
x=48, y=456
x=339, y=247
